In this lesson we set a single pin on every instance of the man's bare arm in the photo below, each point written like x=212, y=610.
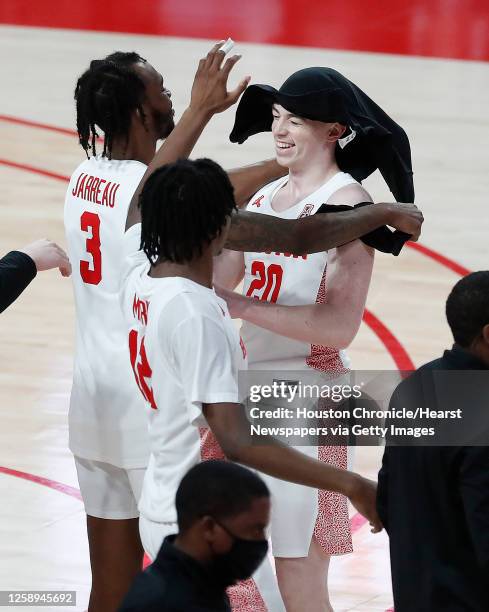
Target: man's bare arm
x=249, y=179
x=255, y=232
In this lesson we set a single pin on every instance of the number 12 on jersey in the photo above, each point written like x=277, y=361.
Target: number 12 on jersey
x=268, y=280
x=140, y=367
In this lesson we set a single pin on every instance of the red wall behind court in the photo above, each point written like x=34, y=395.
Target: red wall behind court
x=436, y=28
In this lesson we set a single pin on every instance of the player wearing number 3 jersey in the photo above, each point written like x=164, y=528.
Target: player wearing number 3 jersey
x=107, y=423
x=103, y=398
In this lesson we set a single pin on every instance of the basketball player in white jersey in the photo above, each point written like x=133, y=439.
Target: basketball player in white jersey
x=126, y=97
x=186, y=353
x=298, y=314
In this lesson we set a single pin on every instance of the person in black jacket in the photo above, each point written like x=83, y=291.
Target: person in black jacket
x=18, y=268
x=434, y=500
x=223, y=510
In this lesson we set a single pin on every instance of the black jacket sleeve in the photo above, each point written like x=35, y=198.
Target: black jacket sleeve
x=16, y=272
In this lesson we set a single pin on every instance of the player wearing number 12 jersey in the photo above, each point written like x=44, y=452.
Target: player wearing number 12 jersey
x=188, y=354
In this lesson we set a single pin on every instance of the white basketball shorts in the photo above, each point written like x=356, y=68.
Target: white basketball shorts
x=108, y=491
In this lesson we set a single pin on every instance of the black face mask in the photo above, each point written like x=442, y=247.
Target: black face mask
x=241, y=561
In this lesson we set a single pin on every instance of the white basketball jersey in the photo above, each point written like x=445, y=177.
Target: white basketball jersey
x=185, y=351
x=107, y=417
x=290, y=280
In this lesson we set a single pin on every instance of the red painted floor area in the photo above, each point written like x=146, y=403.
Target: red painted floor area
x=436, y=28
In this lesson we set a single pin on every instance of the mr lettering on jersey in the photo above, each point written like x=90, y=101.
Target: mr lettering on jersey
x=140, y=309
x=96, y=190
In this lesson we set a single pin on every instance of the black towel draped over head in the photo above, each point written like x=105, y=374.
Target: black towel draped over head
x=372, y=141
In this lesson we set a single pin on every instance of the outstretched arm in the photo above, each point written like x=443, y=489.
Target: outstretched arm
x=255, y=232
x=18, y=268
x=209, y=96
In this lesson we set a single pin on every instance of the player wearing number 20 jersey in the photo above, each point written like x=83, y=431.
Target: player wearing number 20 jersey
x=107, y=420
x=290, y=280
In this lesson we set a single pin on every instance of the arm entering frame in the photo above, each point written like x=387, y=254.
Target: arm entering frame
x=255, y=232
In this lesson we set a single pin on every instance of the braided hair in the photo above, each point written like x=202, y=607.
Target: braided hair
x=184, y=206
x=106, y=96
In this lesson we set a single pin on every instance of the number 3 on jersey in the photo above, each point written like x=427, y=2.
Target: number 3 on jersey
x=140, y=367
x=267, y=280
x=91, y=222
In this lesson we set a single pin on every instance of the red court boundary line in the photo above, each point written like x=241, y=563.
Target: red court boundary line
x=56, y=486
x=46, y=482
x=439, y=258
x=35, y=124
x=396, y=350
x=32, y=169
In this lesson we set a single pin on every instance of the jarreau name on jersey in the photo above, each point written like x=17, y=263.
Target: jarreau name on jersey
x=96, y=190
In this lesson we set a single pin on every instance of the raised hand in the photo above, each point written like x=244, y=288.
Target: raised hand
x=209, y=90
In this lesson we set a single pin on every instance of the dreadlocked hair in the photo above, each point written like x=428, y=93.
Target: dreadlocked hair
x=106, y=96
x=184, y=206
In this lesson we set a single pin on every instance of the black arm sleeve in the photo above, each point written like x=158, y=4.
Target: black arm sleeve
x=16, y=272
x=382, y=239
